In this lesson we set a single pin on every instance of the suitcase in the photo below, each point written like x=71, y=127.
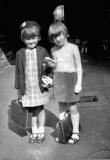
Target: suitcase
x=64, y=128
x=20, y=115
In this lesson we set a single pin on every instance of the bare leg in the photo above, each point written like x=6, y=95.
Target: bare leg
x=33, y=136
x=34, y=125
x=62, y=108
x=41, y=122
x=34, y=120
x=41, y=117
x=75, y=118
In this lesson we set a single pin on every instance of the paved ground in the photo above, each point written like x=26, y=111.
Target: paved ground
x=95, y=119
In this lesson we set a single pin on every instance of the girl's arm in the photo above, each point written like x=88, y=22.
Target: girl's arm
x=48, y=65
x=49, y=61
x=17, y=76
x=78, y=66
x=16, y=86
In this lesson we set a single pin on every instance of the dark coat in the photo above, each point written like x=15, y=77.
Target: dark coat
x=20, y=68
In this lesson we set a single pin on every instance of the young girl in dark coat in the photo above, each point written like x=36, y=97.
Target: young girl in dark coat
x=28, y=78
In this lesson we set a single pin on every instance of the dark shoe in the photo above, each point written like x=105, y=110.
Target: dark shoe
x=33, y=138
x=74, y=138
x=40, y=137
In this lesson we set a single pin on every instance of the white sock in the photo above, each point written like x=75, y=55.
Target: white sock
x=34, y=130
x=41, y=130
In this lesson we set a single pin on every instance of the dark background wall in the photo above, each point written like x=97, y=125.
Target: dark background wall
x=85, y=20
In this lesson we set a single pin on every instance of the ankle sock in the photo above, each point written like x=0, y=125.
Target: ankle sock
x=34, y=130
x=41, y=130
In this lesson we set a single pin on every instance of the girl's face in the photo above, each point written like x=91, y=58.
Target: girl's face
x=60, y=40
x=31, y=42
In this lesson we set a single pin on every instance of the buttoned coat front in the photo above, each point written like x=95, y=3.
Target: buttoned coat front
x=20, y=68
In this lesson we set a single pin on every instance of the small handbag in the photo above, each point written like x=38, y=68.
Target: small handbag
x=47, y=78
x=64, y=128
x=47, y=82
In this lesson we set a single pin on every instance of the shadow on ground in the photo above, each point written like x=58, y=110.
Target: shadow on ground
x=51, y=121
x=20, y=129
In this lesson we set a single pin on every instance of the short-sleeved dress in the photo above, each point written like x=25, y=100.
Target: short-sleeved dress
x=33, y=96
x=65, y=74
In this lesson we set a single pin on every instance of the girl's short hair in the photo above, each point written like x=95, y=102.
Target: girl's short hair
x=30, y=29
x=56, y=29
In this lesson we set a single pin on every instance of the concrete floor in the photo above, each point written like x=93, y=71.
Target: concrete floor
x=95, y=119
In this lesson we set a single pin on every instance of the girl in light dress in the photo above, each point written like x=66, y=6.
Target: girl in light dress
x=67, y=74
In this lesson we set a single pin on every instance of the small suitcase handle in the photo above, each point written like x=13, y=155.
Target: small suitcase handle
x=19, y=100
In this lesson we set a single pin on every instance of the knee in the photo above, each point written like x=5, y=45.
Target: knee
x=34, y=114
x=37, y=110
x=41, y=109
x=74, y=109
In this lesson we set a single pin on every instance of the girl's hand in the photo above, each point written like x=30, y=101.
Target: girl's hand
x=48, y=59
x=50, y=62
x=78, y=88
x=47, y=82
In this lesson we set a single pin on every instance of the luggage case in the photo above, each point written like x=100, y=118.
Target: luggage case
x=64, y=128
x=20, y=115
